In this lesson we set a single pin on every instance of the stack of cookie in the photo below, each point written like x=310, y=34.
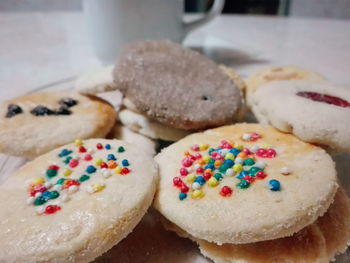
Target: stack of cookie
x=249, y=193
x=242, y=192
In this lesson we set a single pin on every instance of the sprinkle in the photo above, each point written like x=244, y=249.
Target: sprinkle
x=38, y=194
x=40, y=210
x=57, y=187
x=104, y=165
x=225, y=191
x=195, y=147
x=69, y=183
x=177, y=181
x=229, y=172
x=229, y=156
x=47, y=185
x=99, y=146
x=243, y=184
x=191, y=178
x=111, y=157
x=73, y=163
x=64, y=153
x=87, y=157
x=112, y=164
x=239, y=160
x=106, y=173
x=107, y=146
x=73, y=189
x=237, y=168
x=60, y=181
x=182, y=196
x=196, y=186
x=78, y=142
x=197, y=194
x=203, y=147
x=239, y=147
x=249, y=162
x=184, y=188
x=51, y=173
x=121, y=149
x=125, y=163
x=274, y=185
x=183, y=172
x=218, y=176
x=98, y=162
x=90, y=169
x=39, y=180
x=67, y=172
x=286, y=171
x=84, y=178
x=51, y=209
x=82, y=149
x=118, y=170
x=246, y=137
x=98, y=187
x=200, y=180
x=213, y=182
x=39, y=201
x=67, y=160
x=125, y=171
x=260, y=175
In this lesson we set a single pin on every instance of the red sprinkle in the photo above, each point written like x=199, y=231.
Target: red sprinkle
x=69, y=183
x=195, y=147
x=99, y=146
x=324, y=98
x=199, y=170
x=187, y=162
x=55, y=167
x=177, y=181
x=104, y=165
x=51, y=209
x=82, y=149
x=246, y=151
x=73, y=163
x=125, y=170
x=207, y=176
x=88, y=157
x=271, y=153
x=226, y=191
x=249, y=178
x=197, y=156
x=183, y=171
x=255, y=136
x=184, y=188
x=260, y=175
x=261, y=152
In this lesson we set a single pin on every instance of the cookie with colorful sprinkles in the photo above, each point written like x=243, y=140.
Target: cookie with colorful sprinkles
x=244, y=183
x=36, y=123
x=75, y=202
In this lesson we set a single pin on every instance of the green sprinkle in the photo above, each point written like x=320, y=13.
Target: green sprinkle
x=54, y=194
x=223, y=168
x=211, y=161
x=121, y=149
x=218, y=176
x=51, y=173
x=84, y=178
x=66, y=161
x=243, y=184
x=249, y=162
x=60, y=181
x=39, y=200
x=254, y=170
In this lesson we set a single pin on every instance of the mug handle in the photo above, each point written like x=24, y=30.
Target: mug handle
x=214, y=11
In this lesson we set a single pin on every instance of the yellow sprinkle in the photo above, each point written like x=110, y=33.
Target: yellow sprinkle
x=67, y=172
x=98, y=162
x=230, y=156
x=239, y=146
x=203, y=147
x=118, y=170
x=78, y=142
x=98, y=187
x=197, y=194
x=39, y=180
x=191, y=178
x=213, y=182
x=265, y=146
x=206, y=158
x=237, y=168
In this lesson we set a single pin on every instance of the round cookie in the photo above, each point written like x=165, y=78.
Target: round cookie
x=121, y=132
x=139, y=123
x=36, y=123
x=227, y=185
x=318, y=242
x=287, y=72
x=65, y=206
x=314, y=112
x=176, y=86
x=97, y=81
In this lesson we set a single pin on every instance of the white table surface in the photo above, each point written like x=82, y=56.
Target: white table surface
x=40, y=48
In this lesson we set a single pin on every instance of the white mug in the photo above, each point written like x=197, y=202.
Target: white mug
x=113, y=23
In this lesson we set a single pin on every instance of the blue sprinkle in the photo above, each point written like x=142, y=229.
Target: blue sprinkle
x=229, y=163
x=108, y=146
x=242, y=174
x=111, y=157
x=235, y=151
x=209, y=166
x=200, y=180
x=274, y=185
x=125, y=163
x=46, y=195
x=64, y=152
x=90, y=169
x=182, y=196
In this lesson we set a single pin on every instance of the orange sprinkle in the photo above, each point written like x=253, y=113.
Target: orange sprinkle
x=112, y=164
x=217, y=163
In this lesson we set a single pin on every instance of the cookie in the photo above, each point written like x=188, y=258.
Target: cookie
x=176, y=86
x=314, y=112
x=139, y=123
x=318, y=242
x=75, y=202
x=213, y=183
x=97, y=81
x=255, y=80
x=121, y=132
x=36, y=123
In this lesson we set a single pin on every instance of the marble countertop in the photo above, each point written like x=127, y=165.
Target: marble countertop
x=41, y=48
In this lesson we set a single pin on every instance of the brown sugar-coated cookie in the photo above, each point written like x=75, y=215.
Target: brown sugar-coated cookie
x=36, y=123
x=176, y=86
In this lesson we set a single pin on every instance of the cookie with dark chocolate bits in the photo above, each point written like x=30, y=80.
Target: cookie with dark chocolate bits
x=33, y=124
x=176, y=86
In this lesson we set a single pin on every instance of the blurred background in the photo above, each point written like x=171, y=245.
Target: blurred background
x=306, y=8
